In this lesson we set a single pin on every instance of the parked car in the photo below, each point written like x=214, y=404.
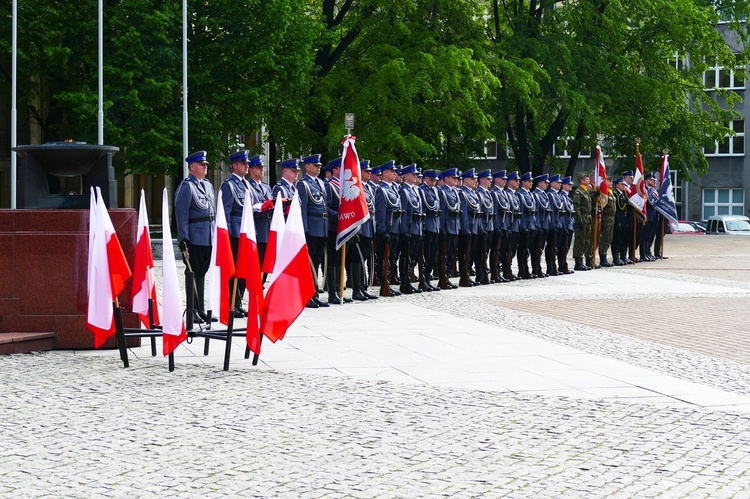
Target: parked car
x=729, y=224
x=701, y=225
x=684, y=227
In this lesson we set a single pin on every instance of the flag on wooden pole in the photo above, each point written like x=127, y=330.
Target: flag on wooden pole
x=248, y=268
x=173, y=325
x=221, y=268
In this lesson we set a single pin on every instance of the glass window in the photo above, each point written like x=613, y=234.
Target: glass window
x=730, y=146
x=723, y=202
x=722, y=77
x=723, y=195
x=709, y=196
x=738, y=196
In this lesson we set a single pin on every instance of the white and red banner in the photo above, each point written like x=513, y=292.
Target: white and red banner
x=173, y=325
x=637, y=196
x=600, y=177
x=291, y=285
x=353, y=210
x=275, y=232
x=222, y=268
x=248, y=268
x=108, y=271
x=144, y=286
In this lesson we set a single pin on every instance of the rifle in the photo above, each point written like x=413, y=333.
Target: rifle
x=385, y=285
x=443, y=279
x=420, y=265
x=464, y=280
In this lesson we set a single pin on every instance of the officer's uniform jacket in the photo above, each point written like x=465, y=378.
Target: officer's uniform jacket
x=487, y=207
x=333, y=195
x=387, y=209
x=608, y=211
x=367, y=229
x=582, y=205
x=284, y=187
x=314, y=206
x=653, y=196
x=431, y=205
x=471, y=213
x=194, y=211
x=259, y=193
x=450, y=210
x=233, y=191
x=543, y=209
x=529, y=208
x=567, y=212
x=557, y=205
x=411, y=202
x=622, y=217
x=515, y=206
x=503, y=210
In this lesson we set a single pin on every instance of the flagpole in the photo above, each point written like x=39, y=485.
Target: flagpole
x=596, y=240
x=341, y=281
x=184, y=90
x=100, y=114
x=13, y=110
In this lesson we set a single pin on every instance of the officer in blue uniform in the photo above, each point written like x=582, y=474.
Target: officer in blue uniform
x=500, y=226
x=511, y=188
x=528, y=225
x=233, y=191
x=487, y=207
x=314, y=207
x=360, y=254
x=555, y=232
x=567, y=223
x=450, y=221
x=411, y=227
x=286, y=185
x=428, y=191
x=262, y=199
x=194, y=213
x=471, y=224
x=388, y=212
x=543, y=219
x=333, y=194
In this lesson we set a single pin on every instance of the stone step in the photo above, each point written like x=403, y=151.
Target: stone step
x=26, y=342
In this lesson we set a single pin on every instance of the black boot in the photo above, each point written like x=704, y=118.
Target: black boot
x=333, y=296
x=603, y=261
x=579, y=265
x=356, y=278
x=616, y=253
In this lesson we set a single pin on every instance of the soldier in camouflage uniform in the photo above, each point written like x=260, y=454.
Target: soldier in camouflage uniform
x=582, y=244
x=608, y=225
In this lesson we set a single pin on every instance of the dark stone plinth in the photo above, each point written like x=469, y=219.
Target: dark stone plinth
x=44, y=269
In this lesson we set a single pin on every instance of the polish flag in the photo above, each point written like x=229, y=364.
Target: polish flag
x=222, y=266
x=600, y=177
x=291, y=284
x=353, y=210
x=248, y=268
x=107, y=275
x=173, y=326
x=144, y=286
x=637, y=196
x=274, y=235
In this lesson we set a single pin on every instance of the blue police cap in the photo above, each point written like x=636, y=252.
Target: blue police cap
x=398, y=168
x=388, y=165
x=450, y=172
x=470, y=173
x=568, y=181
x=292, y=163
x=542, y=178
x=239, y=156
x=554, y=178
x=364, y=165
x=255, y=161
x=620, y=181
x=500, y=174
x=649, y=176
x=431, y=174
x=485, y=174
x=412, y=168
x=627, y=174
x=526, y=176
x=513, y=176
x=334, y=163
x=375, y=170
x=197, y=157
x=312, y=159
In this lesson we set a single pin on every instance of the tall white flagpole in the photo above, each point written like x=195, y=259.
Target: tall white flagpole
x=13, y=111
x=184, y=90
x=101, y=73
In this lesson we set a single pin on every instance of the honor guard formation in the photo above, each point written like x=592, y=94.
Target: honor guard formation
x=428, y=230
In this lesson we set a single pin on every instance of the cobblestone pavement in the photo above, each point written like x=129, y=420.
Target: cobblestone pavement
x=76, y=424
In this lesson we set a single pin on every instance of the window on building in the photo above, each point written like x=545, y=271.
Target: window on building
x=489, y=151
x=723, y=202
x=720, y=77
x=676, y=190
x=730, y=146
x=563, y=147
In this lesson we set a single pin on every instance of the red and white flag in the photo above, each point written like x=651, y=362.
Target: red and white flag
x=144, y=286
x=637, y=196
x=107, y=275
x=173, y=326
x=291, y=285
x=248, y=268
x=274, y=235
x=222, y=267
x=600, y=177
x=353, y=210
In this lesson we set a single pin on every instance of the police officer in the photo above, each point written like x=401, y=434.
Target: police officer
x=286, y=186
x=566, y=216
x=233, y=191
x=262, y=199
x=528, y=228
x=431, y=204
x=500, y=226
x=450, y=221
x=511, y=188
x=314, y=208
x=543, y=223
x=582, y=221
x=411, y=227
x=471, y=224
x=487, y=207
x=388, y=212
x=361, y=253
x=333, y=195
x=194, y=213
x=555, y=232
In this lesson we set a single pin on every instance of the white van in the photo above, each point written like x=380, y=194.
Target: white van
x=729, y=224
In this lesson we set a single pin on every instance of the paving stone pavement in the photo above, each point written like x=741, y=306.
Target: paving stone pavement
x=77, y=424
